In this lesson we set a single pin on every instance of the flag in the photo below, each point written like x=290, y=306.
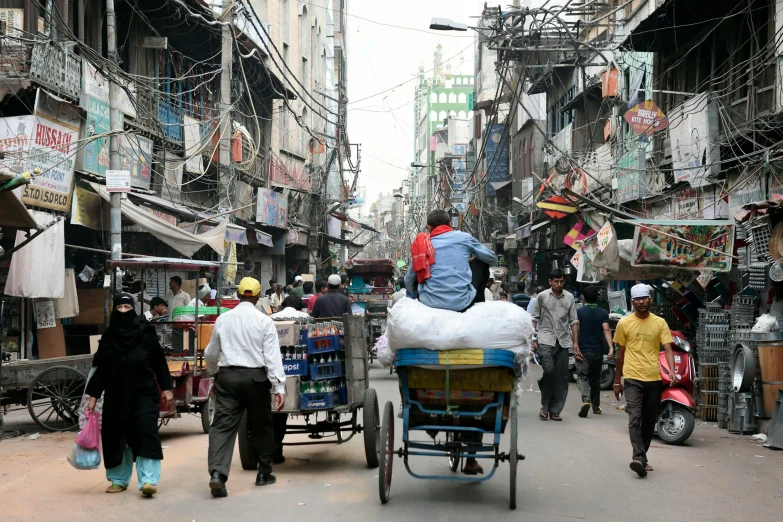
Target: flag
x=556, y=207
x=576, y=235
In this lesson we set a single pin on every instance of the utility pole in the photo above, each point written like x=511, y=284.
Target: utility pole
x=115, y=213
x=225, y=105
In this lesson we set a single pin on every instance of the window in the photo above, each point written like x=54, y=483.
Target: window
x=284, y=120
x=452, y=98
x=285, y=20
x=304, y=32
x=303, y=135
x=433, y=98
x=557, y=118
x=458, y=80
x=453, y=113
x=522, y=159
x=462, y=98
x=442, y=115
x=442, y=98
x=285, y=54
x=304, y=76
x=433, y=116
x=462, y=114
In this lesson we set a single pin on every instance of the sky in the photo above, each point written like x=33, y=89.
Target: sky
x=382, y=57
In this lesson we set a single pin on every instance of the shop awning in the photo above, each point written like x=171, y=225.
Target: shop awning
x=13, y=213
x=497, y=185
x=183, y=242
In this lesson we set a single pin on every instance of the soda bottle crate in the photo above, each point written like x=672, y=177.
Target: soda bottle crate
x=329, y=370
x=322, y=400
x=330, y=343
x=295, y=367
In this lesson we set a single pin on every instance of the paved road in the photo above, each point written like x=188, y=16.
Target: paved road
x=576, y=469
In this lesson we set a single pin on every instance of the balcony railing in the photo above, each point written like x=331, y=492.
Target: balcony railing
x=56, y=68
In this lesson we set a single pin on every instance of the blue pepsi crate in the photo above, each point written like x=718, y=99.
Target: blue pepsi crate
x=329, y=370
x=295, y=366
x=318, y=401
x=330, y=343
x=343, y=395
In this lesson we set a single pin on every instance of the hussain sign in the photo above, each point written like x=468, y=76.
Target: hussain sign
x=646, y=118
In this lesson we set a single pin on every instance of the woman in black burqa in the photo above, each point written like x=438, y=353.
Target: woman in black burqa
x=129, y=368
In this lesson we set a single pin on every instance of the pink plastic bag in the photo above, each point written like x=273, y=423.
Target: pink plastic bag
x=90, y=436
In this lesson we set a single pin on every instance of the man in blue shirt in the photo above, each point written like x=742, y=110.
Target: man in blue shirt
x=448, y=284
x=594, y=331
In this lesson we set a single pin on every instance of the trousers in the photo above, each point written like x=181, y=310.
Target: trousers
x=642, y=402
x=554, y=382
x=147, y=470
x=238, y=390
x=589, y=370
x=280, y=421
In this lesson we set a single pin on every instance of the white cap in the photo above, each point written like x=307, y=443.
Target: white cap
x=203, y=291
x=640, y=290
x=298, y=278
x=334, y=279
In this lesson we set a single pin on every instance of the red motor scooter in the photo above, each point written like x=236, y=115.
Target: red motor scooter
x=678, y=407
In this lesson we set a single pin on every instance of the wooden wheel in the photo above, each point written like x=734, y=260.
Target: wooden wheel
x=54, y=397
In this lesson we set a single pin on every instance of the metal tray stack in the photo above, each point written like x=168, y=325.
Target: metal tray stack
x=712, y=349
x=759, y=232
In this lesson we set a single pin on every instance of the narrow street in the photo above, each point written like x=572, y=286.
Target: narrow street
x=575, y=470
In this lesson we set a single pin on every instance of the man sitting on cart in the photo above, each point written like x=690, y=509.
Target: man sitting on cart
x=442, y=276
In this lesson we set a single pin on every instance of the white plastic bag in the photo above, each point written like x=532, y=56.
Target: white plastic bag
x=385, y=354
x=495, y=325
x=765, y=323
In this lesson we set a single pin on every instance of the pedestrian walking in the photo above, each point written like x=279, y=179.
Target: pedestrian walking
x=639, y=337
x=594, y=330
x=531, y=305
x=244, y=353
x=332, y=303
x=129, y=367
x=557, y=330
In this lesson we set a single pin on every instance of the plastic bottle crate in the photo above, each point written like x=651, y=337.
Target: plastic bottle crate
x=330, y=343
x=329, y=370
x=322, y=401
x=295, y=367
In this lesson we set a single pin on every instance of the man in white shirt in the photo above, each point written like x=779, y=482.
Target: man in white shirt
x=245, y=353
x=176, y=297
x=277, y=298
x=488, y=295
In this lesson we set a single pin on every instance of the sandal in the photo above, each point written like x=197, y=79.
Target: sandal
x=543, y=415
x=116, y=488
x=597, y=411
x=149, y=489
x=639, y=468
x=647, y=467
x=555, y=416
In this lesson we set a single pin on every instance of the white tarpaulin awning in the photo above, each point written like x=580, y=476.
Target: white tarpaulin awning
x=183, y=242
x=38, y=268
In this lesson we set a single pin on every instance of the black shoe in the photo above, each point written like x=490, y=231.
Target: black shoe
x=639, y=468
x=584, y=409
x=217, y=485
x=278, y=459
x=265, y=479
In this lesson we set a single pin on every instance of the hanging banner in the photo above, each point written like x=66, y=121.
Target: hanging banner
x=193, y=145
x=89, y=210
x=646, y=118
x=496, y=157
x=655, y=244
x=272, y=208
x=95, y=156
x=136, y=156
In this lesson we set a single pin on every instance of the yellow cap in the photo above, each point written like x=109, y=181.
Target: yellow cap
x=249, y=286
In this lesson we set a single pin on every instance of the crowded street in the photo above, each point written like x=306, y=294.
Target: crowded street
x=574, y=470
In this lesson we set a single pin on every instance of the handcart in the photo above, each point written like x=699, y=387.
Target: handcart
x=371, y=288
x=451, y=394
x=328, y=414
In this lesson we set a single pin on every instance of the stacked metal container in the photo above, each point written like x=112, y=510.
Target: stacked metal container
x=712, y=349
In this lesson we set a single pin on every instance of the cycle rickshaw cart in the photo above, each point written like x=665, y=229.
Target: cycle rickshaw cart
x=453, y=393
x=370, y=287
x=330, y=416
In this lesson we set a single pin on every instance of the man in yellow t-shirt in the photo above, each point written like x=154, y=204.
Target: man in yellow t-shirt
x=639, y=337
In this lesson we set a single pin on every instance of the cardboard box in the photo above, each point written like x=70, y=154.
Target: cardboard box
x=287, y=333
x=189, y=286
x=308, y=277
x=292, y=385
x=92, y=306
x=94, y=340
x=51, y=342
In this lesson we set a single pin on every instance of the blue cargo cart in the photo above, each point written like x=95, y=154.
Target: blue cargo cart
x=450, y=394
x=326, y=413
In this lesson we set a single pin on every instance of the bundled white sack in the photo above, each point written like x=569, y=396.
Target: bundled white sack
x=494, y=325
x=385, y=355
x=289, y=314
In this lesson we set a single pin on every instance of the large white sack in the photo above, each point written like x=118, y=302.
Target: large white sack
x=494, y=325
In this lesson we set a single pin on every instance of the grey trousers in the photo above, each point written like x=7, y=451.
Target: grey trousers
x=589, y=370
x=642, y=402
x=237, y=390
x=554, y=382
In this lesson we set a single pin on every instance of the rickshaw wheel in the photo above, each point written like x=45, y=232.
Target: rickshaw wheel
x=54, y=396
x=387, y=453
x=513, y=459
x=208, y=412
x=454, y=458
x=372, y=427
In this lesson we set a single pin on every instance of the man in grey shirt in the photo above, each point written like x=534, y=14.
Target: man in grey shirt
x=557, y=328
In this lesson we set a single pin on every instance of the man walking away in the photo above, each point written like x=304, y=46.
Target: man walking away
x=639, y=337
x=333, y=303
x=245, y=354
x=557, y=327
x=533, y=298
x=593, y=331
x=321, y=287
x=307, y=287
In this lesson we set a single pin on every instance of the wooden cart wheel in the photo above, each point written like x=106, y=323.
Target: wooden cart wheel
x=247, y=456
x=371, y=427
x=208, y=412
x=513, y=456
x=54, y=397
x=387, y=453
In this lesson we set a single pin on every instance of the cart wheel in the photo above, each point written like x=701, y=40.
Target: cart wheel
x=247, y=456
x=454, y=458
x=2, y=428
x=208, y=412
x=387, y=453
x=513, y=459
x=54, y=397
x=372, y=427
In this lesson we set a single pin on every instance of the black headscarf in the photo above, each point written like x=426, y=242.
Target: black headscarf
x=123, y=326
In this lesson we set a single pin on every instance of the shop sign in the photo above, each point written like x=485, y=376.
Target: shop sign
x=89, y=210
x=496, y=157
x=714, y=204
x=193, y=145
x=13, y=18
x=136, y=157
x=53, y=142
x=14, y=141
x=294, y=236
x=658, y=244
x=272, y=208
x=695, y=151
x=96, y=85
x=44, y=314
x=264, y=239
x=751, y=190
x=686, y=203
x=118, y=181
x=631, y=185
x=95, y=156
x=525, y=263
x=646, y=118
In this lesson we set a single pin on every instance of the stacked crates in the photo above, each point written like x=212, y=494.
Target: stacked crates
x=323, y=387
x=712, y=349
